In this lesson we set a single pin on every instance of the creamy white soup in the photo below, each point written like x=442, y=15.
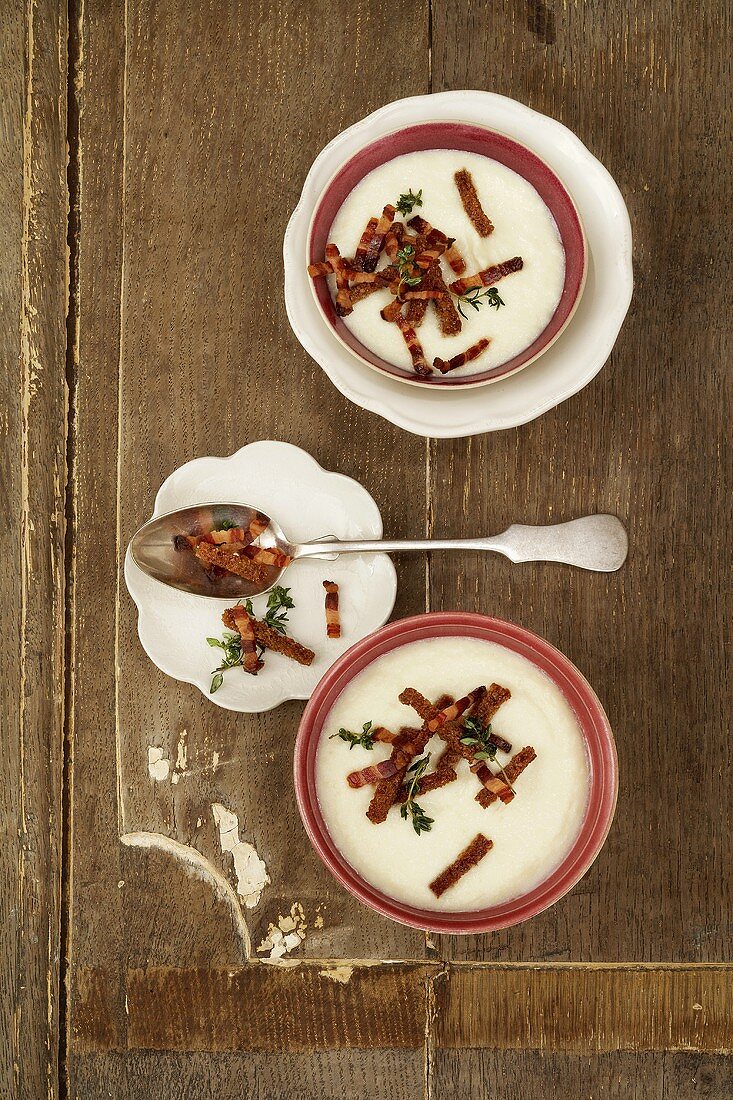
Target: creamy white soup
x=531, y=834
x=523, y=226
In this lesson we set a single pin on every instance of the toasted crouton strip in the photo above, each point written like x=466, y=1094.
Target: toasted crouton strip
x=363, y=290
x=448, y=315
x=272, y=639
x=343, y=298
x=443, y=773
x=363, y=245
x=245, y=627
x=513, y=770
x=472, y=203
x=406, y=746
x=376, y=244
x=463, y=357
x=469, y=857
x=454, y=710
x=415, y=311
x=227, y=557
x=419, y=362
x=333, y=622
x=494, y=697
x=488, y=276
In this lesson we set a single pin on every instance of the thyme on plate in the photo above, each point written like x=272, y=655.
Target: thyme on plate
x=421, y=823
x=480, y=736
x=478, y=297
x=365, y=738
x=279, y=603
x=405, y=203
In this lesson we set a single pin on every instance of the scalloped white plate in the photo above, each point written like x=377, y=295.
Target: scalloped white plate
x=565, y=368
x=308, y=502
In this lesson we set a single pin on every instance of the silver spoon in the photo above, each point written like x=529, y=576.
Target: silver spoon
x=161, y=549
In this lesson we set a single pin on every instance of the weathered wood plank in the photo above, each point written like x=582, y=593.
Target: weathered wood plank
x=33, y=281
x=648, y=440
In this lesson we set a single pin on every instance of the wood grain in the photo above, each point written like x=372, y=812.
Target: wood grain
x=32, y=480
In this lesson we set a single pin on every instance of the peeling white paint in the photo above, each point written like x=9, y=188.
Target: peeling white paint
x=215, y=761
x=286, y=935
x=251, y=872
x=341, y=974
x=158, y=767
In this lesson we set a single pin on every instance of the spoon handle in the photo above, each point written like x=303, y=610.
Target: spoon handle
x=597, y=542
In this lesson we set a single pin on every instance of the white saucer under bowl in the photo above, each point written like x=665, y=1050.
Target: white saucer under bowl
x=308, y=502
x=565, y=368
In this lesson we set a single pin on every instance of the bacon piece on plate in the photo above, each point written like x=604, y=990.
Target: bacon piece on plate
x=472, y=203
x=272, y=639
x=376, y=244
x=268, y=555
x=463, y=357
x=513, y=770
x=230, y=534
x=454, y=710
x=333, y=622
x=228, y=558
x=363, y=245
x=341, y=270
x=469, y=857
x=245, y=628
x=322, y=268
x=257, y=526
x=488, y=276
x=373, y=773
x=419, y=362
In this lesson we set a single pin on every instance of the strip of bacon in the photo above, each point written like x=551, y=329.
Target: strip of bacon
x=268, y=555
x=463, y=357
x=472, y=203
x=469, y=857
x=363, y=245
x=493, y=784
x=333, y=622
x=454, y=710
x=229, y=559
x=513, y=770
x=435, y=238
x=272, y=639
x=376, y=244
x=373, y=773
x=322, y=268
x=423, y=295
x=383, y=735
x=428, y=257
x=245, y=627
x=391, y=311
x=343, y=298
x=232, y=534
x=406, y=746
x=488, y=276
x=393, y=240
x=448, y=315
x=419, y=362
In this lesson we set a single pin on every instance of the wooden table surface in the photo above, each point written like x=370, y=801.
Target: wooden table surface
x=143, y=325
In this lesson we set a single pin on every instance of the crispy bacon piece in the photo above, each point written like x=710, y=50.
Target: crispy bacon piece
x=393, y=240
x=391, y=311
x=513, y=770
x=488, y=276
x=376, y=244
x=472, y=203
x=469, y=857
x=494, y=784
x=454, y=710
x=427, y=257
x=448, y=315
x=373, y=773
x=406, y=746
x=333, y=622
x=257, y=526
x=363, y=245
x=434, y=238
x=272, y=639
x=486, y=708
x=322, y=268
x=228, y=558
x=419, y=362
x=499, y=742
x=245, y=627
x=422, y=295
x=232, y=534
x=463, y=357
x=268, y=555
x=383, y=735
x=343, y=304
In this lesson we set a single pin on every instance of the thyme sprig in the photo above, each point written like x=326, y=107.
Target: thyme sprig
x=421, y=823
x=279, y=602
x=365, y=738
x=406, y=202
x=405, y=259
x=478, y=297
x=479, y=735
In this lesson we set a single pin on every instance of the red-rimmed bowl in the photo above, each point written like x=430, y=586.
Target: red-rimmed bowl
x=466, y=138
x=596, y=731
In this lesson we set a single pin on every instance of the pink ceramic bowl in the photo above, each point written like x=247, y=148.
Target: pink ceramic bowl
x=600, y=747
x=471, y=139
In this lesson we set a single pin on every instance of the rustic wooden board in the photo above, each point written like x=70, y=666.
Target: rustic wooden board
x=32, y=479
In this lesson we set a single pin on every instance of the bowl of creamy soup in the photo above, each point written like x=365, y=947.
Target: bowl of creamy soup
x=456, y=772
x=446, y=254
